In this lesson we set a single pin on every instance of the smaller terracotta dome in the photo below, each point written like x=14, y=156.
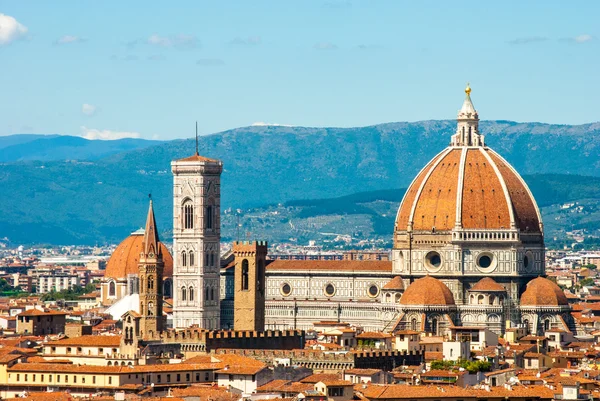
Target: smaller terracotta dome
x=487, y=284
x=395, y=284
x=543, y=292
x=427, y=291
x=126, y=257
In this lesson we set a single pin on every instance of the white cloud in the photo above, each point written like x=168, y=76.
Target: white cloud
x=10, y=29
x=70, y=39
x=180, y=40
x=107, y=135
x=88, y=109
x=583, y=38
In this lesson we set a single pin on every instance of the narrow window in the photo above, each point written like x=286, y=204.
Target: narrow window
x=183, y=294
x=191, y=293
x=209, y=217
x=183, y=258
x=112, y=290
x=191, y=258
x=188, y=215
x=244, y=274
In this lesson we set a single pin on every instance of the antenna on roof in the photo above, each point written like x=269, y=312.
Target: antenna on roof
x=196, y=138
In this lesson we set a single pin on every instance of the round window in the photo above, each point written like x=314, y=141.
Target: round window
x=485, y=261
x=329, y=290
x=286, y=289
x=373, y=291
x=433, y=260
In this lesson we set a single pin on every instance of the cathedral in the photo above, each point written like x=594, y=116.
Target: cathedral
x=468, y=251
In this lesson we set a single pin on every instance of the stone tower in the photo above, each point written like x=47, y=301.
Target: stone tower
x=249, y=299
x=151, y=280
x=196, y=241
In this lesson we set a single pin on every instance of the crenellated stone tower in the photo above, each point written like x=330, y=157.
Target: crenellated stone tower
x=151, y=280
x=249, y=279
x=196, y=241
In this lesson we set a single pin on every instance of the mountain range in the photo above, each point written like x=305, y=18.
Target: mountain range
x=69, y=190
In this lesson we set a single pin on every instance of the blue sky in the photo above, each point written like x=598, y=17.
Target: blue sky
x=106, y=69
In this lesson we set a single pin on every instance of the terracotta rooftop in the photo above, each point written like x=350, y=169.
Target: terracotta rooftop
x=374, y=335
x=402, y=392
x=543, y=292
x=89, y=341
x=125, y=258
x=197, y=158
x=37, y=312
x=427, y=291
x=488, y=284
x=431, y=199
x=395, y=284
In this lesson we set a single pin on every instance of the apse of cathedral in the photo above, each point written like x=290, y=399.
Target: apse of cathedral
x=468, y=251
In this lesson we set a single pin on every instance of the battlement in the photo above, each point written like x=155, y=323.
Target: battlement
x=250, y=247
x=332, y=361
x=212, y=339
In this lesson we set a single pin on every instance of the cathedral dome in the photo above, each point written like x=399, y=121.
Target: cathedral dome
x=543, y=292
x=126, y=257
x=487, y=284
x=427, y=291
x=468, y=186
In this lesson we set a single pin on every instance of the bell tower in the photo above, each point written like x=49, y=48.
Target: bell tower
x=151, y=279
x=249, y=278
x=196, y=241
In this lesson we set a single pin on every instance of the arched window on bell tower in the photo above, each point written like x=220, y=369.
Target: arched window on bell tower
x=183, y=259
x=191, y=258
x=188, y=214
x=150, y=283
x=208, y=218
x=183, y=294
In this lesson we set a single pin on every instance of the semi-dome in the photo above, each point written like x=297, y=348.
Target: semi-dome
x=487, y=284
x=126, y=257
x=468, y=186
x=395, y=284
x=543, y=292
x=427, y=291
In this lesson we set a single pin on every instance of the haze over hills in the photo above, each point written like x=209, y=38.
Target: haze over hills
x=57, y=147
x=92, y=199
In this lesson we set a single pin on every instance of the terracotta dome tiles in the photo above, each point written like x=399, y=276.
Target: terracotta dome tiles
x=125, y=259
x=436, y=206
x=483, y=200
x=543, y=292
x=411, y=193
x=427, y=291
x=525, y=210
x=488, y=284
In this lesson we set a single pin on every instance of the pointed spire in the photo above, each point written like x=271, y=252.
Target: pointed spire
x=151, y=241
x=467, y=110
x=467, y=130
x=197, y=138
